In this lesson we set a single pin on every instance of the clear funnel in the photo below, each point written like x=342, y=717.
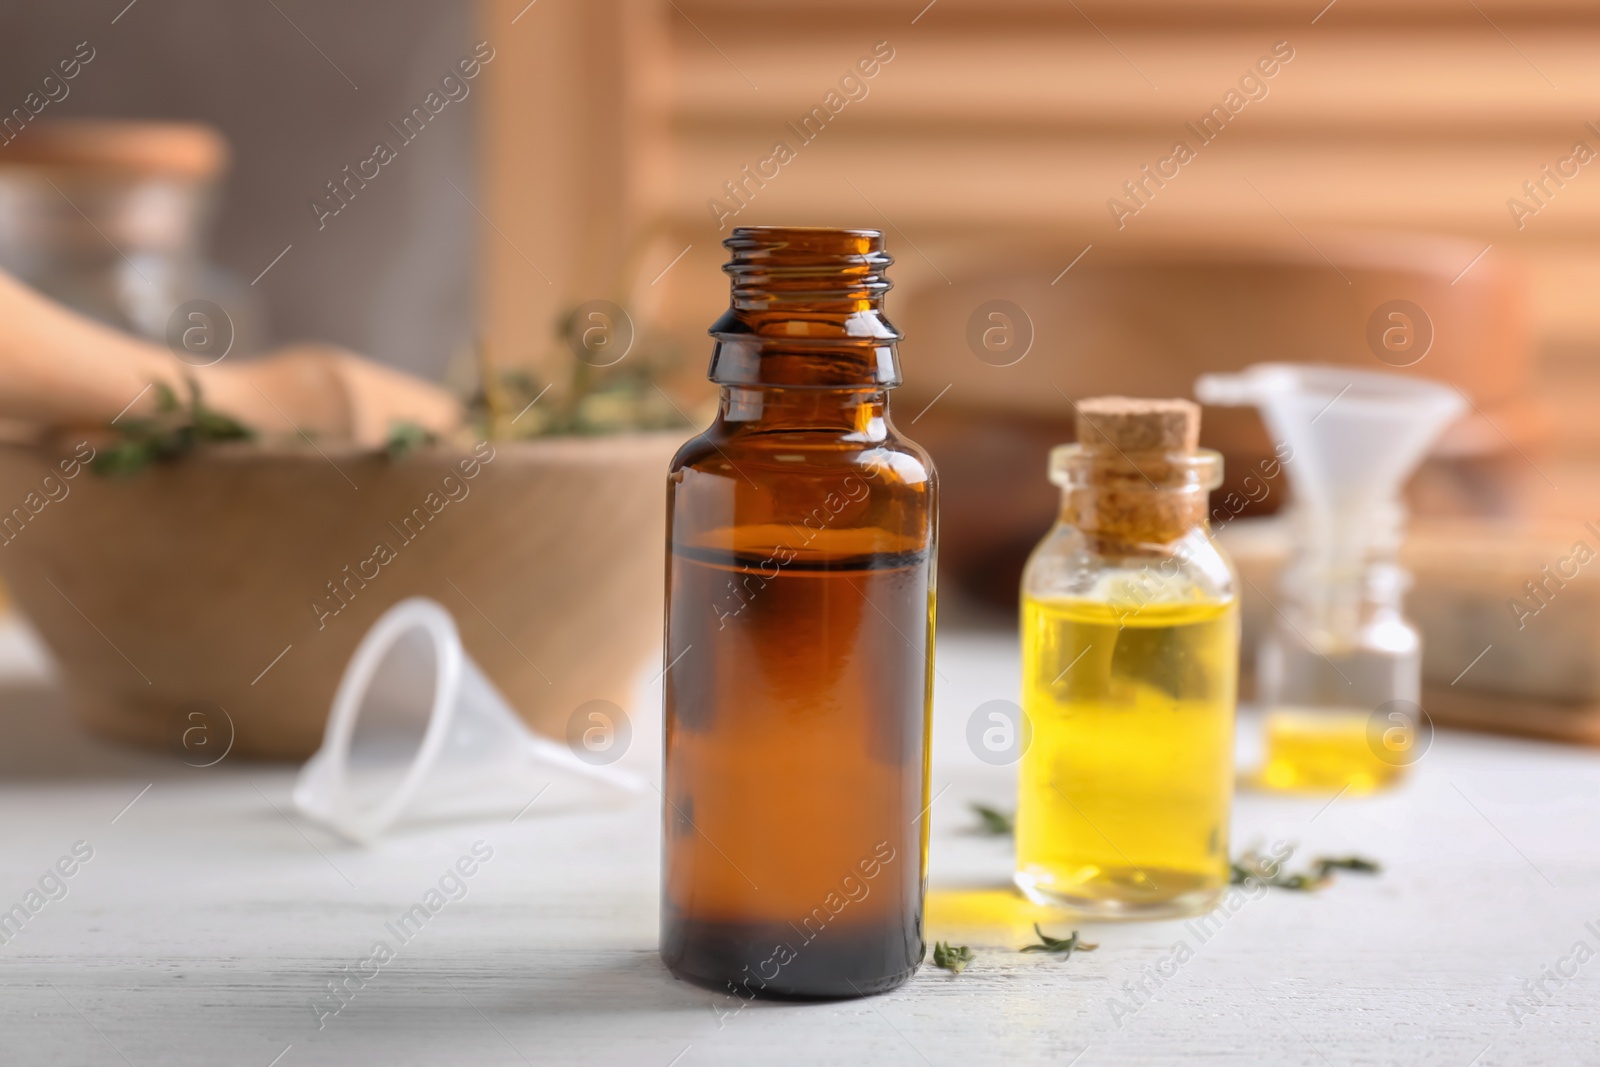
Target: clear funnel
x=417, y=732
x=1355, y=436
x=1340, y=674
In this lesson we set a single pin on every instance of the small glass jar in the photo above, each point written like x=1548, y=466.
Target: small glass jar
x=1340, y=672
x=1339, y=666
x=1130, y=645
x=111, y=219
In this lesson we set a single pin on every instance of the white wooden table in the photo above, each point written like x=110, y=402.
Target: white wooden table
x=210, y=919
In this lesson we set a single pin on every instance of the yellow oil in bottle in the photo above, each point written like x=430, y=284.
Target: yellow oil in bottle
x=1127, y=783
x=1325, y=750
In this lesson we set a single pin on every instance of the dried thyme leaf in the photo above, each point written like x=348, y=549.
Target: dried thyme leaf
x=1251, y=865
x=1063, y=946
x=166, y=399
x=123, y=459
x=952, y=958
x=211, y=425
x=405, y=437
x=173, y=430
x=996, y=823
x=1358, y=864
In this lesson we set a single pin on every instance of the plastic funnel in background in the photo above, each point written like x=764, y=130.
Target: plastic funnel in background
x=1339, y=671
x=1356, y=435
x=417, y=732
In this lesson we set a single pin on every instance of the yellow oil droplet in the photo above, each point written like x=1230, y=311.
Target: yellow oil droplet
x=1000, y=914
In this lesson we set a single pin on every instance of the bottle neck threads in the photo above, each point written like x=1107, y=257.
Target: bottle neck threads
x=806, y=311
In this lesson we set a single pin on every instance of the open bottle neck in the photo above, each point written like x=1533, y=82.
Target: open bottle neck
x=806, y=311
x=1344, y=571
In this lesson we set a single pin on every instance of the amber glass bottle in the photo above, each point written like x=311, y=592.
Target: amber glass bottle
x=800, y=603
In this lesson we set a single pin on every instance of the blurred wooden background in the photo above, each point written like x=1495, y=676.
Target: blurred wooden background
x=1378, y=164
x=1010, y=122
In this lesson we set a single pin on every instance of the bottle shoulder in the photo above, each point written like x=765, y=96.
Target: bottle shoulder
x=821, y=493
x=888, y=460
x=1067, y=565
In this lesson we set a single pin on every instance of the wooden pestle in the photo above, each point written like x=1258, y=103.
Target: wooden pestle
x=58, y=368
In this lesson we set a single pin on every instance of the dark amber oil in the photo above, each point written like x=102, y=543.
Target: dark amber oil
x=800, y=633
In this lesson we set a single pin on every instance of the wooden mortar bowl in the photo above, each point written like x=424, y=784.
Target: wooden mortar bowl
x=184, y=595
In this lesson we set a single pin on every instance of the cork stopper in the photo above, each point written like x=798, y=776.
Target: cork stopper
x=1137, y=474
x=1133, y=424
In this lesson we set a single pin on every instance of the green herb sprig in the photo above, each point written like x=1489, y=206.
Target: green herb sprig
x=995, y=823
x=1061, y=946
x=406, y=437
x=175, y=429
x=1359, y=864
x=1251, y=865
x=953, y=958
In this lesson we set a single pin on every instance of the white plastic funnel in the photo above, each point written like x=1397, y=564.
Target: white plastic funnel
x=1356, y=435
x=417, y=732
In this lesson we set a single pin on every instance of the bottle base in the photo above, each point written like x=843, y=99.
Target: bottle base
x=775, y=961
x=1183, y=904
x=1280, y=778
x=821, y=991
x=1331, y=750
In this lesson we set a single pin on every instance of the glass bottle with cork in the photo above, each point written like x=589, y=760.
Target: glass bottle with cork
x=799, y=640
x=1130, y=645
